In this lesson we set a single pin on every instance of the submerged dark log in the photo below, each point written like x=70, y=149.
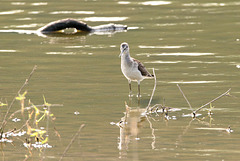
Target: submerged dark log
x=58, y=25
x=63, y=24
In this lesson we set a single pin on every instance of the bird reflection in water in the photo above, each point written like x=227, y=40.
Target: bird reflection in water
x=134, y=119
x=130, y=126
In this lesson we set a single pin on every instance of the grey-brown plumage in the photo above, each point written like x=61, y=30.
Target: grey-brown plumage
x=132, y=68
x=142, y=69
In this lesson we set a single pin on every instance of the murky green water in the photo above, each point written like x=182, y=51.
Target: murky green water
x=193, y=43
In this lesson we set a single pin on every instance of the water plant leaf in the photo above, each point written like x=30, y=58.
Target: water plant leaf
x=21, y=96
x=41, y=118
x=34, y=134
x=37, y=133
x=45, y=140
x=45, y=102
x=2, y=104
x=37, y=111
x=211, y=107
x=29, y=129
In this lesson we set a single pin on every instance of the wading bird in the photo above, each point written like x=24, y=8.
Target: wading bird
x=132, y=69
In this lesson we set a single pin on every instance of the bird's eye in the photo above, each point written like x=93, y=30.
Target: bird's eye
x=124, y=46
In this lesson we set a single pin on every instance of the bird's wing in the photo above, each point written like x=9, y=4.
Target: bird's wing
x=142, y=69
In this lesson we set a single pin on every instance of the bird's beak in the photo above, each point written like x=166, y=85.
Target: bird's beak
x=121, y=54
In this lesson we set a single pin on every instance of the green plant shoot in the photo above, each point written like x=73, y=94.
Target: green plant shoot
x=45, y=102
x=21, y=96
x=2, y=104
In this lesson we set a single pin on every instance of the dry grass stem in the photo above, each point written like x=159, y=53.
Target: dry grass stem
x=4, y=122
x=153, y=91
x=153, y=134
x=71, y=142
x=185, y=97
x=194, y=112
x=224, y=94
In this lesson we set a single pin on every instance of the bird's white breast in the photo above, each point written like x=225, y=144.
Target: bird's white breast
x=130, y=70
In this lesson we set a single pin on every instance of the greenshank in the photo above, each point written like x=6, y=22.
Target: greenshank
x=132, y=68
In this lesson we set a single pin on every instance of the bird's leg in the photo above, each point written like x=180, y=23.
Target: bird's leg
x=138, y=102
x=139, y=95
x=130, y=88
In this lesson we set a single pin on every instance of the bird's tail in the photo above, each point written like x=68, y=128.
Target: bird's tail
x=149, y=76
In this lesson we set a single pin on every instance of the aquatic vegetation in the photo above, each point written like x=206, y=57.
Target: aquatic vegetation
x=2, y=104
x=32, y=115
x=194, y=113
x=134, y=118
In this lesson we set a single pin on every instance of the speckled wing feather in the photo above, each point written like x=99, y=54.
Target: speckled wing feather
x=142, y=69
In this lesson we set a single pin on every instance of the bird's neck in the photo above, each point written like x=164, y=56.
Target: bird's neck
x=126, y=59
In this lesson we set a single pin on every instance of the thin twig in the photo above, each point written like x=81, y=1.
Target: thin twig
x=71, y=142
x=25, y=124
x=185, y=97
x=4, y=122
x=154, y=88
x=47, y=126
x=153, y=135
x=156, y=106
x=127, y=112
x=179, y=139
x=224, y=94
x=29, y=77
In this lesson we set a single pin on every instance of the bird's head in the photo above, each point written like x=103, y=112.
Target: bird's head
x=124, y=48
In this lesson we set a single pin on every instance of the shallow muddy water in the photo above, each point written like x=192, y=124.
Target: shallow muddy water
x=191, y=43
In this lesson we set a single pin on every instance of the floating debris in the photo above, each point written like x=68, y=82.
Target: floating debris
x=21, y=133
x=228, y=130
x=174, y=117
x=119, y=124
x=208, y=128
x=144, y=114
x=191, y=115
x=112, y=123
x=37, y=145
x=76, y=113
x=16, y=120
x=167, y=117
x=5, y=140
x=169, y=110
x=8, y=134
